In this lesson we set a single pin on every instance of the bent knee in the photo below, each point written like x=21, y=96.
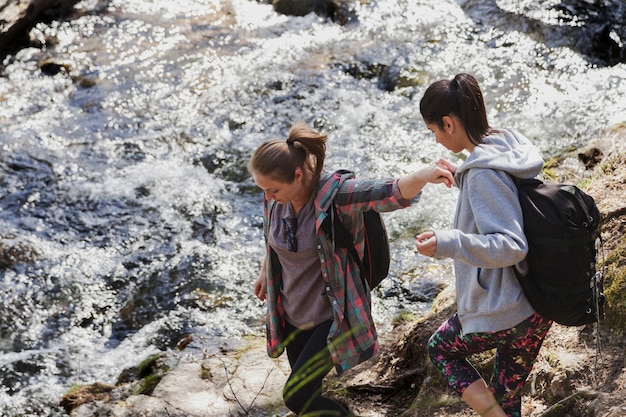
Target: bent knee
x=292, y=400
x=434, y=349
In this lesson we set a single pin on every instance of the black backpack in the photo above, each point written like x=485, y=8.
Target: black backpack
x=374, y=267
x=562, y=226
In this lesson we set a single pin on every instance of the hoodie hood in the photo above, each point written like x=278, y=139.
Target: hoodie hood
x=505, y=150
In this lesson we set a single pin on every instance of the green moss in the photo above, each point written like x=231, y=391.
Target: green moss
x=612, y=163
x=148, y=384
x=614, y=263
x=148, y=365
x=205, y=374
x=75, y=387
x=615, y=292
x=551, y=163
x=550, y=174
x=94, y=389
x=558, y=411
x=404, y=316
x=584, y=183
x=145, y=376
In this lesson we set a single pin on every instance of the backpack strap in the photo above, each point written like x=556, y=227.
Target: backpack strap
x=337, y=232
x=270, y=210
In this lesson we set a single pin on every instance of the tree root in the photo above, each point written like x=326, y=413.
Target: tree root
x=562, y=408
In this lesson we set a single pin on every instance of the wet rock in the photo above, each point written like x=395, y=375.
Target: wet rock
x=54, y=66
x=602, y=34
x=594, y=29
x=14, y=250
x=304, y=7
x=337, y=10
x=560, y=385
x=17, y=17
x=184, y=342
x=591, y=157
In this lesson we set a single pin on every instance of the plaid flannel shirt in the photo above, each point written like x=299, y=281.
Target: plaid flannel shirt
x=352, y=337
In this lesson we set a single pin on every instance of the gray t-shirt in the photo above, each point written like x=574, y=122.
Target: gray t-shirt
x=302, y=292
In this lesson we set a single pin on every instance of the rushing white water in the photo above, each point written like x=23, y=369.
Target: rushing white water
x=125, y=200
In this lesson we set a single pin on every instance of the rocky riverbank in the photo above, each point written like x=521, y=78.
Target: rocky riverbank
x=581, y=372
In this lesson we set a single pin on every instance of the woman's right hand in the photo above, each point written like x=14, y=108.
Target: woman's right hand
x=260, y=289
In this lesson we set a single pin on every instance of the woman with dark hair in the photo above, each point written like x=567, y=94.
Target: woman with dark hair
x=318, y=308
x=486, y=241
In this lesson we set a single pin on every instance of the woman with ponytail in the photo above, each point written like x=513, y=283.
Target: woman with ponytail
x=486, y=241
x=318, y=309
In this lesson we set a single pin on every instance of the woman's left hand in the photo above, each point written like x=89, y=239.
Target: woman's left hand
x=426, y=243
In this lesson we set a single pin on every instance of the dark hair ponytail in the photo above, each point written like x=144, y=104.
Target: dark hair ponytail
x=278, y=158
x=460, y=97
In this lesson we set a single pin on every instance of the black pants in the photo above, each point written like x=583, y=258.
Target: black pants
x=310, y=362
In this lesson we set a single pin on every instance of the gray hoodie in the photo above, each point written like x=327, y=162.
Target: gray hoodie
x=488, y=237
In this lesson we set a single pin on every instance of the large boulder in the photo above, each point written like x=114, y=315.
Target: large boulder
x=593, y=28
x=339, y=11
x=17, y=17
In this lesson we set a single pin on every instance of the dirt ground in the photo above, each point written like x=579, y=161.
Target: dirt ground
x=580, y=372
x=569, y=379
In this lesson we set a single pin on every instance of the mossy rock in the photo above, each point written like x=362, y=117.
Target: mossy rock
x=81, y=394
x=145, y=376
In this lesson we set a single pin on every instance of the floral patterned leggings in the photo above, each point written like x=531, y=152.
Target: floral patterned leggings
x=516, y=351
